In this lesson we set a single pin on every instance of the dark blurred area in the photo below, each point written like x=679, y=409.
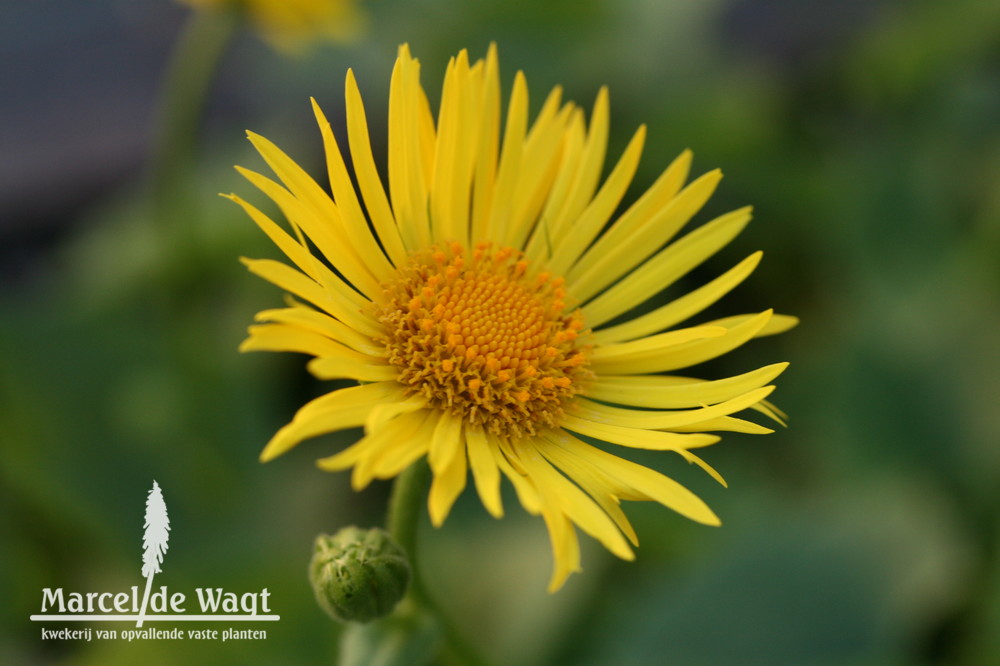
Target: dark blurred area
x=865, y=133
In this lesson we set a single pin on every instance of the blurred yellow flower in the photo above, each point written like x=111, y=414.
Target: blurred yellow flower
x=480, y=304
x=290, y=25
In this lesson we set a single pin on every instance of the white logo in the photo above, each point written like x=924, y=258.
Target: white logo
x=215, y=604
x=154, y=541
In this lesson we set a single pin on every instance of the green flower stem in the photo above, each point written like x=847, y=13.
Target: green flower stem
x=186, y=84
x=403, y=521
x=404, y=507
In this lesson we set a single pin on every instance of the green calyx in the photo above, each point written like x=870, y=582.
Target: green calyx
x=358, y=575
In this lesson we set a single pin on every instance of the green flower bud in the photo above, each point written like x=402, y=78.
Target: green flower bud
x=358, y=575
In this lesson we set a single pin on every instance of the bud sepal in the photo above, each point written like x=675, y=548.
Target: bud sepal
x=358, y=575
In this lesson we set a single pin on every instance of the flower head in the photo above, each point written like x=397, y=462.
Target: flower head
x=479, y=304
x=290, y=25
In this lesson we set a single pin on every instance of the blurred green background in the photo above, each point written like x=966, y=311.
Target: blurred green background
x=865, y=133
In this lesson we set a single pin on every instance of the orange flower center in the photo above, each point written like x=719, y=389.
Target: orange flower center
x=481, y=335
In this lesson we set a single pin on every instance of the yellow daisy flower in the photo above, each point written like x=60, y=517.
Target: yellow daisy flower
x=479, y=305
x=291, y=24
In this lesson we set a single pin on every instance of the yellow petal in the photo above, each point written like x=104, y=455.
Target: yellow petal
x=544, y=169
x=302, y=258
x=331, y=301
x=388, y=411
x=565, y=547
x=284, y=337
x=610, y=358
x=570, y=130
x=526, y=492
x=727, y=424
x=393, y=440
x=338, y=367
x=643, y=241
x=778, y=323
x=350, y=456
x=589, y=167
x=638, y=215
x=448, y=484
x=333, y=361
x=407, y=177
x=556, y=490
x=294, y=250
x=711, y=471
x=636, y=438
x=355, y=222
x=369, y=182
x=681, y=308
x=318, y=322
x=569, y=246
x=405, y=451
x=510, y=161
x=666, y=267
x=595, y=483
x=771, y=411
x=488, y=145
x=687, y=353
x=485, y=472
x=298, y=182
x=322, y=228
x=638, y=482
x=341, y=409
x=451, y=187
x=659, y=420
x=670, y=392
x=445, y=443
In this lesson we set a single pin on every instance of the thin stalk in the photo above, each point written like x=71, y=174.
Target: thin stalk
x=403, y=523
x=190, y=72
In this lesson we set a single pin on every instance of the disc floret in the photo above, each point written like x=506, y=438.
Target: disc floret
x=481, y=335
